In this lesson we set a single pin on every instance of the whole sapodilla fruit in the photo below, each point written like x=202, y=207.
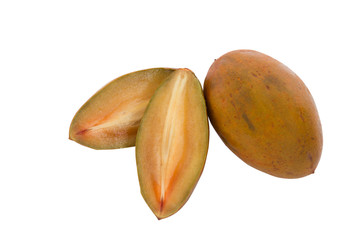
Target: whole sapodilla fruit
x=264, y=113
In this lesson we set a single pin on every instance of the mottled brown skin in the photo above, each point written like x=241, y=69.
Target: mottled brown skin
x=264, y=113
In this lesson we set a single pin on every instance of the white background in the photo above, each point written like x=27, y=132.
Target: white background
x=54, y=55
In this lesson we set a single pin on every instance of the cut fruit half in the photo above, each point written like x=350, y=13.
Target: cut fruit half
x=110, y=119
x=172, y=143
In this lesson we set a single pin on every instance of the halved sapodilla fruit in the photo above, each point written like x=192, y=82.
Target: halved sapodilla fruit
x=172, y=143
x=110, y=119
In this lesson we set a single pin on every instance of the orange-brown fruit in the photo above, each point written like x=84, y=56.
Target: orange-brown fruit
x=172, y=143
x=264, y=113
x=110, y=119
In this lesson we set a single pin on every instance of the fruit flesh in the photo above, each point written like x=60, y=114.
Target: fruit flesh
x=264, y=113
x=110, y=119
x=172, y=143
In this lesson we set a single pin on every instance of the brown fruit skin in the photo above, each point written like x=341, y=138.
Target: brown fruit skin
x=264, y=113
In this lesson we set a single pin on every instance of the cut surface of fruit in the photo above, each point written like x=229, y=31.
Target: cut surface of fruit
x=172, y=143
x=110, y=119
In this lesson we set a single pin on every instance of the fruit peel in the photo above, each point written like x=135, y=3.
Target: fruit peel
x=264, y=113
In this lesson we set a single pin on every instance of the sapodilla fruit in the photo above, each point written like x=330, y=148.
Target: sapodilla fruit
x=110, y=119
x=172, y=143
x=264, y=113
